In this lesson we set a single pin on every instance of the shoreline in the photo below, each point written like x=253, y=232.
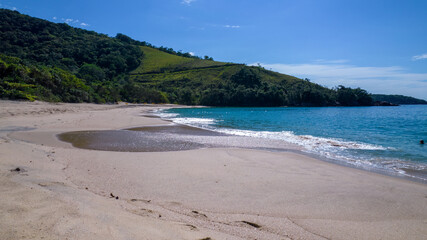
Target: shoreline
x=407, y=173
x=112, y=140
x=221, y=193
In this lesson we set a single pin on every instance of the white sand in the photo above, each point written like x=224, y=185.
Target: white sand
x=64, y=192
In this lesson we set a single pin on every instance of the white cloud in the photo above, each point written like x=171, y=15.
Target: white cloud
x=192, y=53
x=14, y=8
x=54, y=18
x=74, y=22
x=187, y=2
x=419, y=57
x=388, y=80
x=231, y=26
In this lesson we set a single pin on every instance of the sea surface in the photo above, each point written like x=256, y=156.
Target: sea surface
x=384, y=139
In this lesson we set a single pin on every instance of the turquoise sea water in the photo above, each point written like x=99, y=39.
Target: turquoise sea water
x=382, y=138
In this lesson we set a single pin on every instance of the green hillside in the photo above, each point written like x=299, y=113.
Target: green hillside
x=20, y=81
x=157, y=61
x=55, y=62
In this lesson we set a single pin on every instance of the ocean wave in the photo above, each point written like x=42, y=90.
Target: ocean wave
x=307, y=141
x=166, y=115
x=310, y=143
x=198, y=122
x=338, y=150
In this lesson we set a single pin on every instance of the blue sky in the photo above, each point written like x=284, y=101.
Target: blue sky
x=379, y=45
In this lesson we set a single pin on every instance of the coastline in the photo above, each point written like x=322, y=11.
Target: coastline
x=324, y=133
x=221, y=193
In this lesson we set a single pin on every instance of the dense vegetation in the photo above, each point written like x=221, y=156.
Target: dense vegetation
x=95, y=60
x=20, y=81
x=397, y=99
x=55, y=62
x=195, y=81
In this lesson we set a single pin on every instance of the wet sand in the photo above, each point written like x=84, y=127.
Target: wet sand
x=142, y=139
x=217, y=192
x=166, y=138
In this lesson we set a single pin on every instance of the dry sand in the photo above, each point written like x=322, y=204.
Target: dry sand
x=62, y=192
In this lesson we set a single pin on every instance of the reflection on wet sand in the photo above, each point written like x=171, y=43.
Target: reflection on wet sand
x=163, y=139
x=144, y=139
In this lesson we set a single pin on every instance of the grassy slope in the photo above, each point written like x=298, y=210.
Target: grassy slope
x=159, y=67
x=157, y=61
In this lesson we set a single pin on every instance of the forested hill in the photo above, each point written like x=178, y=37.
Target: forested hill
x=41, y=60
x=397, y=99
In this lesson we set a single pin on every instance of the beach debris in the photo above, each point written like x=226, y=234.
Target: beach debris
x=112, y=196
x=206, y=238
x=251, y=224
x=147, y=210
x=16, y=169
x=192, y=227
x=200, y=214
x=142, y=200
x=160, y=216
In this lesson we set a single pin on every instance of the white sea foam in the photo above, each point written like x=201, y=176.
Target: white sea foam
x=199, y=122
x=166, y=115
x=307, y=141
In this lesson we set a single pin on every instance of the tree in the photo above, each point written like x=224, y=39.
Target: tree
x=91, y=72
x=247, y=77
x=353, y=97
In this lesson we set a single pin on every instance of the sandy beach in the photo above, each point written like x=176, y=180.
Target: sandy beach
x=52, y=190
